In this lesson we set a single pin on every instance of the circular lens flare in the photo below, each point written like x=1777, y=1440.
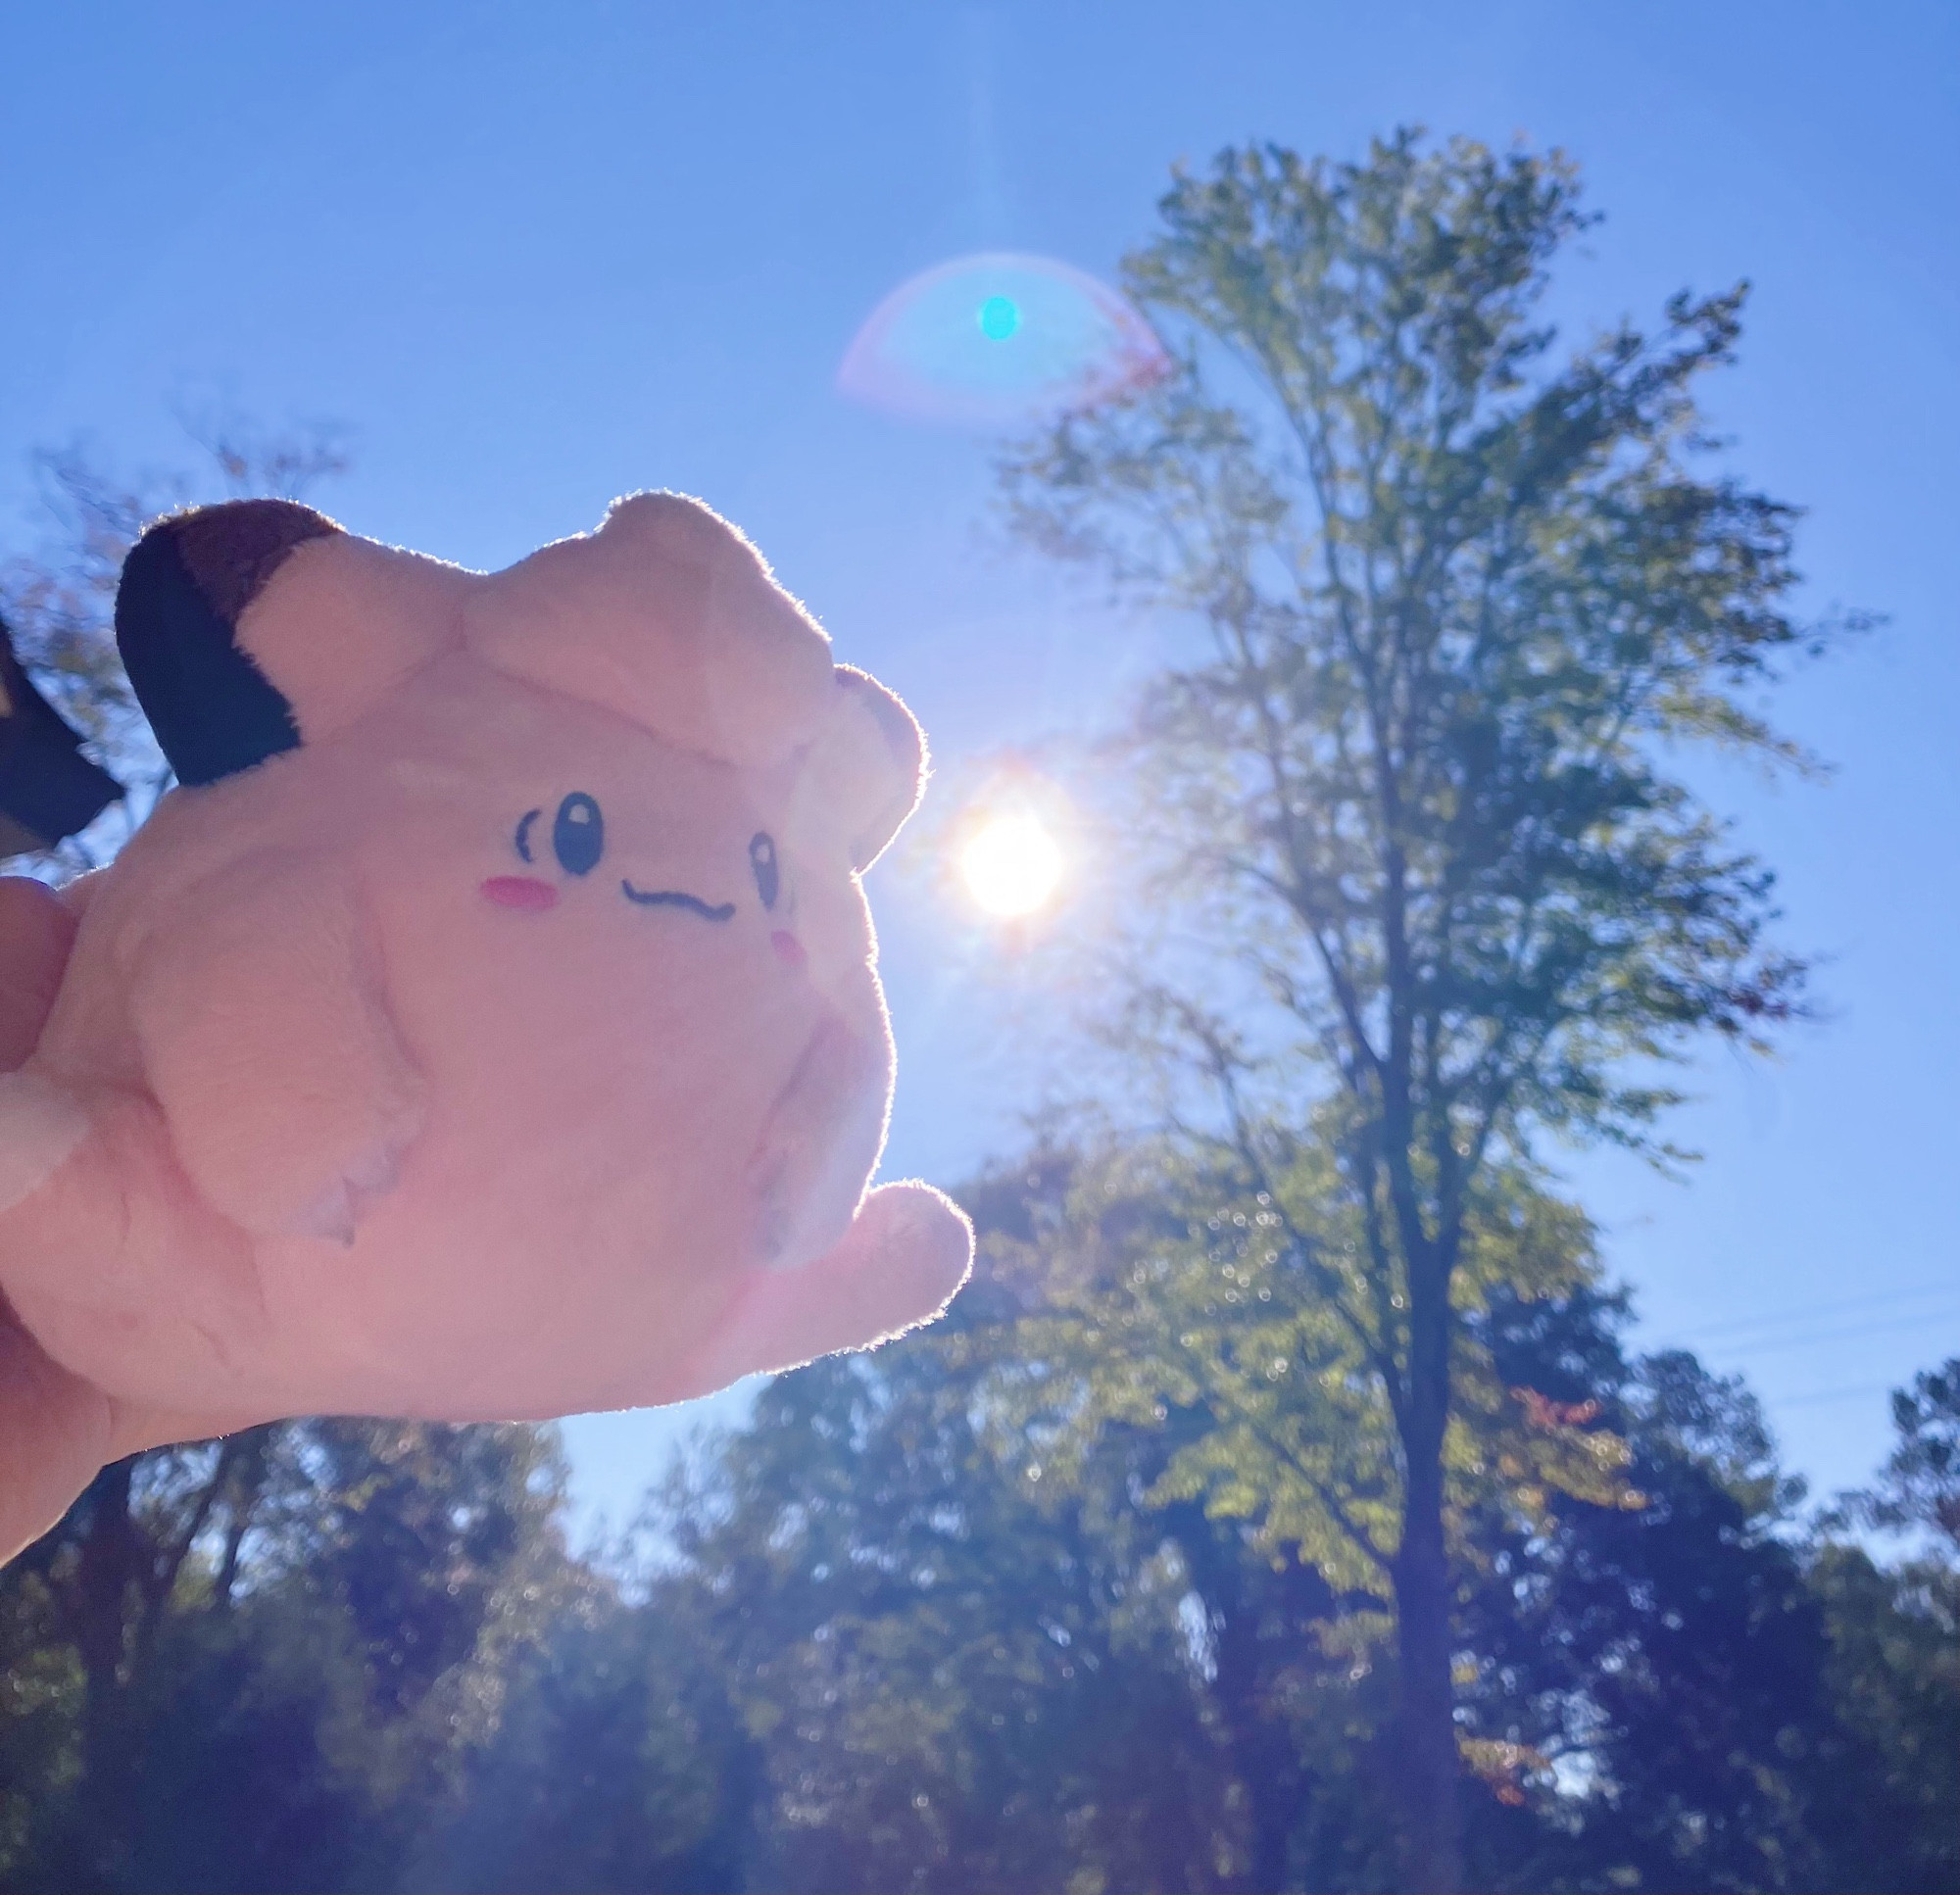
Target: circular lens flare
x=999, y=341
x=1012, y=867
x=999, y=318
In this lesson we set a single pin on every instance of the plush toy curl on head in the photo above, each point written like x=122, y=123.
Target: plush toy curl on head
x=488, y=1027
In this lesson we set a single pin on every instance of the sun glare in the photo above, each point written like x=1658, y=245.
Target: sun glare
x=1001, y=340
x=1012, y=865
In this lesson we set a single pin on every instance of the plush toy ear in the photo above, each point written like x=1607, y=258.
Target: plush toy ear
x=48, y=789
x=254, y=626
x=186, y=584
x=869, y=765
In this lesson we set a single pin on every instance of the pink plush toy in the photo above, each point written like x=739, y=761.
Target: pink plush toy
x=488, y=1027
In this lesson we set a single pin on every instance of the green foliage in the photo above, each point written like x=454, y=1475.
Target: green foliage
x=1895, y=1646
x=1668, y=1659
x=931, y=1668
x=618, y=1764
x=255, y=1664
x=1894, y=1678
x=1243, y=1322
x=1918, y=1490
x=871, y=1649
x=1424, y=882
x=952, y=1680
x=1458, y=604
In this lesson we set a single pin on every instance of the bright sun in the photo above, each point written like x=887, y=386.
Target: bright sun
x=1012, y=865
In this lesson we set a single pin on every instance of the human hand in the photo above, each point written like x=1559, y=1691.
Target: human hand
x=57, y=1431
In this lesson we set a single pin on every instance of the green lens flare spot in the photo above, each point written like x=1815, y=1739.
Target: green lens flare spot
x=999, y=316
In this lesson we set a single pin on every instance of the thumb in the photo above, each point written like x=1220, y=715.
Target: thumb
x=55, y=1434
x=37, y=931
x=908, y=1251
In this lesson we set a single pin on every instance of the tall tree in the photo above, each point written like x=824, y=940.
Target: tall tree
x=1205, y=1322
x=1460, y=605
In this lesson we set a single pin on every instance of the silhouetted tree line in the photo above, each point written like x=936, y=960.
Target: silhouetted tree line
x=939, y=1618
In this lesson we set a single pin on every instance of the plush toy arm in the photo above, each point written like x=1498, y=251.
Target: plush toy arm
x=907, y=1251
x=265, y=1037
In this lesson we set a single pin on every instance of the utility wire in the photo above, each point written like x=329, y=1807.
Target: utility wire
x=1748, y=1338
x=1777, y=1344
x=1803, y=1312
x=1821, y=1395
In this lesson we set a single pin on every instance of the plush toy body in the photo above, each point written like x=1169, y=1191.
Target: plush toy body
x=489, y=1026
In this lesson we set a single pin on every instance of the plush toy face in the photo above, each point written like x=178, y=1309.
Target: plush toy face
x=489, y=1027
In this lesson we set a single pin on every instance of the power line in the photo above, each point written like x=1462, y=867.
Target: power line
x=1820, y=1395
x=1776, y=1345
x=1804, y=1312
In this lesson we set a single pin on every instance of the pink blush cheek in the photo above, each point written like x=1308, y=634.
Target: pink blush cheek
x=520, y=891
x=788, y=950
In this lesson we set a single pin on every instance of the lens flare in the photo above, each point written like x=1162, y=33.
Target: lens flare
x=1012, y=866
x=999, y=316
x=999, y=341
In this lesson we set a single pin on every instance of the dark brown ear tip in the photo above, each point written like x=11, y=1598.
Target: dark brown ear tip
x=185, y=585
x=231, y=550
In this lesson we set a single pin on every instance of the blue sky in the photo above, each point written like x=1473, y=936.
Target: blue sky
x=531, y=256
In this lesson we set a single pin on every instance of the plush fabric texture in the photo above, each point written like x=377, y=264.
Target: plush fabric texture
x=490, y=1028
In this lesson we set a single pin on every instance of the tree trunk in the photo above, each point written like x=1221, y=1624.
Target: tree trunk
x=106, y=1584
x=1263, y=1753
x=1428, y=1773
x=104, y=1576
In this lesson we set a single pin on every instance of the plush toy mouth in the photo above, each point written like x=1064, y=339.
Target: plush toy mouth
x=675, y=899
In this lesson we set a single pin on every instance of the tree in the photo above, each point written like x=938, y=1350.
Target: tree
x=1459, y=606
x=912, y=1629
x=1661, y=1669
x=1178, y=1319
x=952, y=1678
x=619, y=1763
x=1893, y=1786
x=1918, y=1490
x=262, y=1657
x=1895, y=1634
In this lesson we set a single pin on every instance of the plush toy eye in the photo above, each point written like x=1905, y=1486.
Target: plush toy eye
x=763, y=859
x=578, y=834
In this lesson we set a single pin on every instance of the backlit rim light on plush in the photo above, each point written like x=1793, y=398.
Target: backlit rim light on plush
x=998, y=340
x=1012, y=865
